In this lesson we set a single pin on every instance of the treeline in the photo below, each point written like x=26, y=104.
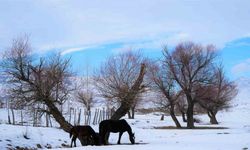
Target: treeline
x=186, y=77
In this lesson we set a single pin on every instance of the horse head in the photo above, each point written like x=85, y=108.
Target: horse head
x=132, y=138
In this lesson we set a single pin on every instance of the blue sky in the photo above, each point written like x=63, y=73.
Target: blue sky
x=90, y=31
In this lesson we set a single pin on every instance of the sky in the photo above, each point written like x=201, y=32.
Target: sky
x=90, y=31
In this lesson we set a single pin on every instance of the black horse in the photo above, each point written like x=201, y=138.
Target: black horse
x=107, y=126
x=85, y=134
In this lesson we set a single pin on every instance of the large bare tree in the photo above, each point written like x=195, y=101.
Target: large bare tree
x=120, y=78
x=217, y=96
x=165, y=85
x=37, y=81
x=190, y=64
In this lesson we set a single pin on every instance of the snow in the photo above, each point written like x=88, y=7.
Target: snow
x=236, y=136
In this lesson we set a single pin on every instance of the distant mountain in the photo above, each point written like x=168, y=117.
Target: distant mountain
x=242, y=100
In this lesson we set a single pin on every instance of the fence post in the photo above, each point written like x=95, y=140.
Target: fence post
x=70, y=115
x=100, y=116
x=94, y=119
x=8, y=107
x=74, y=116
x=21, y=117
x=89, y=117
x=79, y=117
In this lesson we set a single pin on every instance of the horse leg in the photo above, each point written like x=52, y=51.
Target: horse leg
x=73, y=140
x=82, y=140
x=106, y=138
x=119, y=140
x=102, y=138
x=92, y=140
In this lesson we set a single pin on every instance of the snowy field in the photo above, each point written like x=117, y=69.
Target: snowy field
x=235, y=137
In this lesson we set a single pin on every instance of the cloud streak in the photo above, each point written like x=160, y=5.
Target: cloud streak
x=76, y=49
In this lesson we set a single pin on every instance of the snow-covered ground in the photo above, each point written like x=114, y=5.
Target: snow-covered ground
x=237, y=136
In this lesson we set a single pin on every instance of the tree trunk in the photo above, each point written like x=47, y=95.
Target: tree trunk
x=120, y=112
x=133, y=113
x=183, y=116
x=128, y=100
x=129, y=115
x=190, y=113
x=172, y=114
x=58, y=116
x=212, y=117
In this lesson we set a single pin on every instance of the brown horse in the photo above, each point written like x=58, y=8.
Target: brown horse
x=121, y=126
x=85, y=134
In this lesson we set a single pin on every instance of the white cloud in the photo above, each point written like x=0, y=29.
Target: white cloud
x=61, y=23
x=241, y=68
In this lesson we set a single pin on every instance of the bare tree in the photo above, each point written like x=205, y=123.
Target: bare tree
x=85, y=95
x=35, y=81
x=190, y=64
x=217, y=96
x=121, y=79
x=86, y=99
x=165, y=85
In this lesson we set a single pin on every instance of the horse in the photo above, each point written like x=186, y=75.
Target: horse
x=115, y=126
x=85, y=134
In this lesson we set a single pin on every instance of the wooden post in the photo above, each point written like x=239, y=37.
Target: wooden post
x=162, y=117
x=103, y=109
x=79, y=117
x=70, y=115
x=34, y=118
x=13, y=116
x=74, y=116
x=94, y=118
x=47, y=120
x=85, y=117
x=50, y=121
x=100, y=116
x=89, y=117
x=21, y=117
x=8, y=107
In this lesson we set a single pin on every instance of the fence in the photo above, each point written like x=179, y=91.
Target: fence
x=74, y=116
